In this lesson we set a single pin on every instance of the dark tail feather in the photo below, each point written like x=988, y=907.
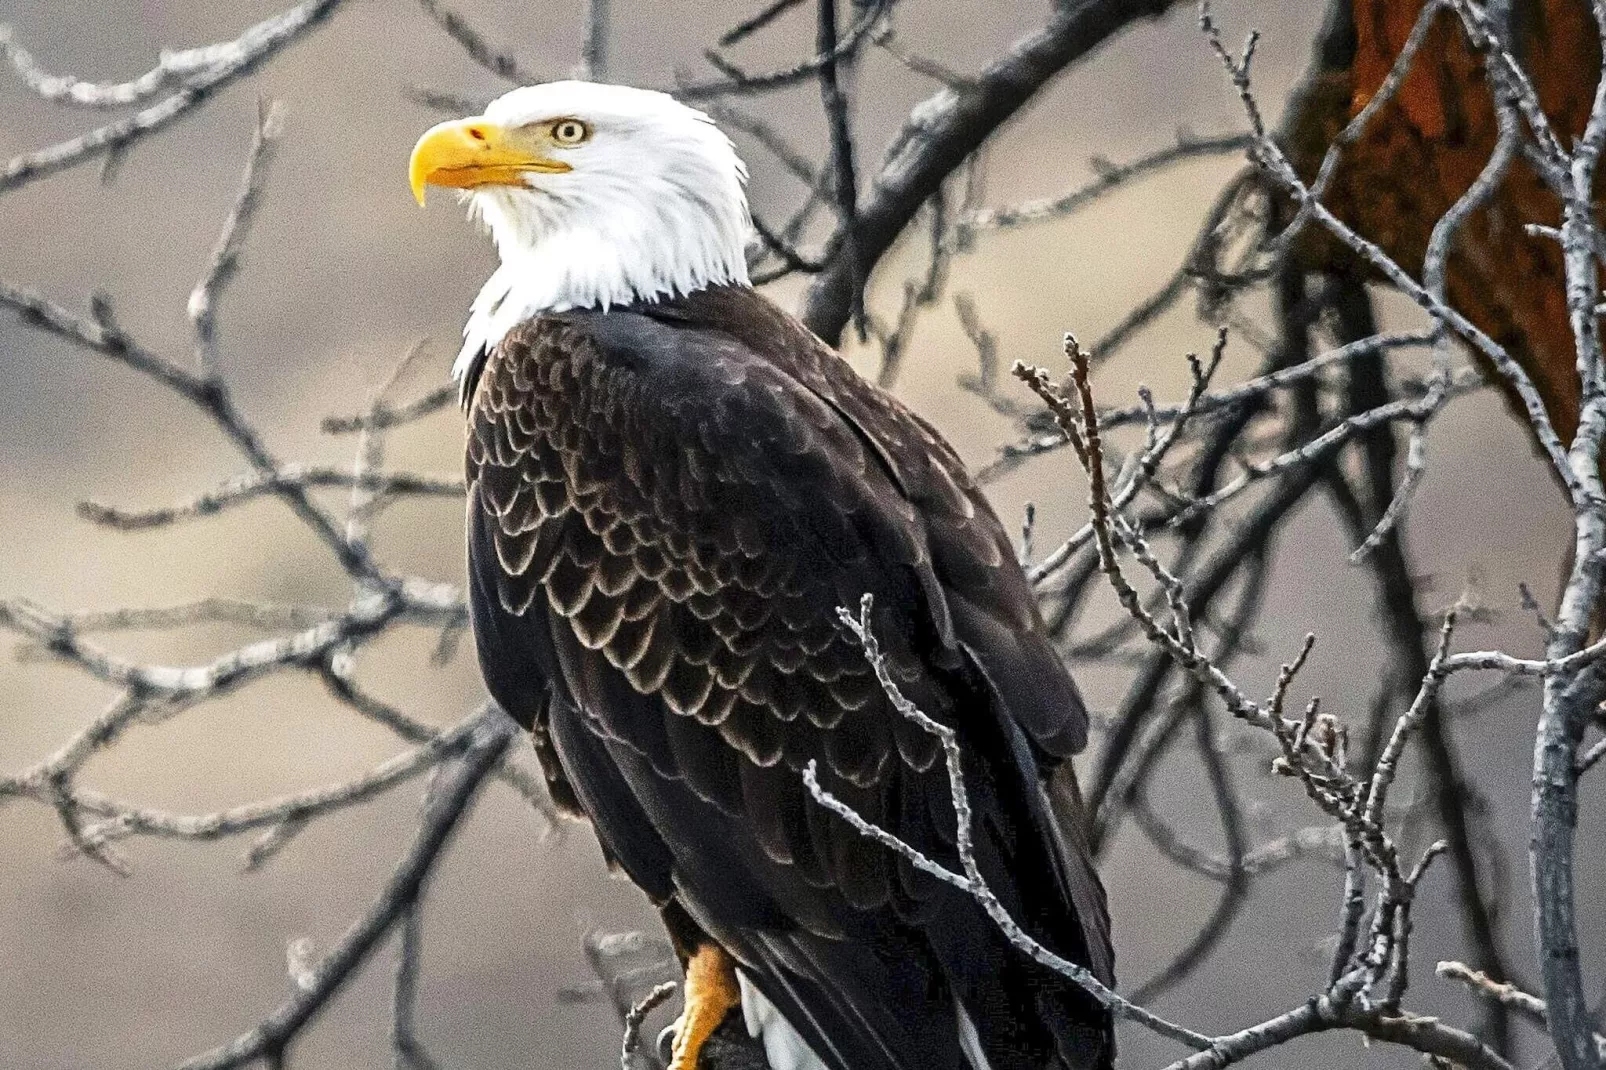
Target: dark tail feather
x=1085, y=889
x=1031, y=846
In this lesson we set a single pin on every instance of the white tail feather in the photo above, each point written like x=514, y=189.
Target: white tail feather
x=784, y=1046
x=970, y=1040
x=786, y=1049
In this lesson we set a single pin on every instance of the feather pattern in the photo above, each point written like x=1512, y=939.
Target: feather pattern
x=668, y=502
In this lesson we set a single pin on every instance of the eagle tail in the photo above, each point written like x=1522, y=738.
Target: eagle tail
x=1030, y=845
x=784, y=1046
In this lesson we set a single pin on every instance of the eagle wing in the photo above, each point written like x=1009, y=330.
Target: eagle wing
x=667, y=506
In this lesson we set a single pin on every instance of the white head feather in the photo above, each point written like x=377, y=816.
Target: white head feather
x=655, y=206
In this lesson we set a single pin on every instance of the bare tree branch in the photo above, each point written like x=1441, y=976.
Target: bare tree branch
x=1110, y=177
x=947, y=128
x=741, y=83
x=502, y=64
x=198, y=74
x=459, y=783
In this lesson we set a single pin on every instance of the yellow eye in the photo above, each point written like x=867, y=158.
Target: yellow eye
x=570, y=131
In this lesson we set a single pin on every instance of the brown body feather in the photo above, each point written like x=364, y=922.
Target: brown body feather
x=667, y=505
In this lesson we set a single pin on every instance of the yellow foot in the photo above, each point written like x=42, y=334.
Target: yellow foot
x=711, y=993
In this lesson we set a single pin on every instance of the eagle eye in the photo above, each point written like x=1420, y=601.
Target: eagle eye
x=570, y=131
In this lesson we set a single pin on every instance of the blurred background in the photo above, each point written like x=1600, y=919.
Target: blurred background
x=343, y=273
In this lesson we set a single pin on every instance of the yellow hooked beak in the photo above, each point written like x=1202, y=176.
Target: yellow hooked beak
x=465, y=153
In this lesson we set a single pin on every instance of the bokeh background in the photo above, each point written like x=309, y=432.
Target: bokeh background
x=344, y=273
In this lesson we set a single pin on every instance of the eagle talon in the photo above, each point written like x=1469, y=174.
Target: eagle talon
x=666, y=1041
x=711, y=994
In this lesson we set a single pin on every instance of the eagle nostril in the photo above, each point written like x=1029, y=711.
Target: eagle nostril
x=476, y=133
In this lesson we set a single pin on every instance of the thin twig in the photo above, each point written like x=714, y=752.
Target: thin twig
x=455, y=791
x=208, y=70
x=502, y=64
x=1110, y=177
x=636, y=1016
x=225, y=258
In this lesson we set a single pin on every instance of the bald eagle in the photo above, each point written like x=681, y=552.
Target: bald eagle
x=672, y=487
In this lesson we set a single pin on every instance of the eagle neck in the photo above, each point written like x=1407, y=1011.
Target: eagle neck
x=596, y=261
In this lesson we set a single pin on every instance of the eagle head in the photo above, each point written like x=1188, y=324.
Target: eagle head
x=596, y=195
